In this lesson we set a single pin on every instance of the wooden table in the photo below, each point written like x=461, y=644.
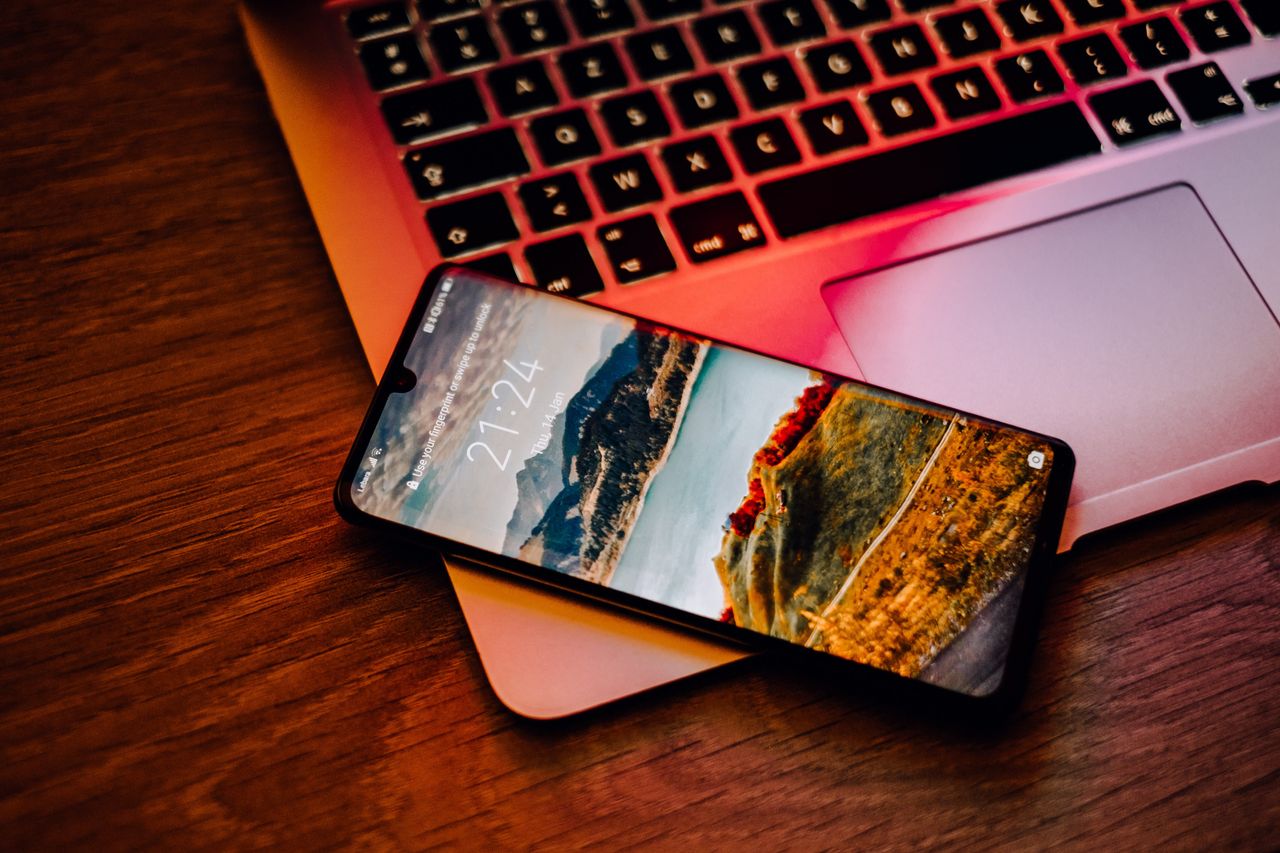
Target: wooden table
x=194, y=651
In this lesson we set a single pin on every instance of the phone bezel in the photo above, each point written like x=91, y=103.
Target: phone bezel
x=1047, y=532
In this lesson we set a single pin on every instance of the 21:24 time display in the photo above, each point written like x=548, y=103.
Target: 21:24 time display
x=525, y=401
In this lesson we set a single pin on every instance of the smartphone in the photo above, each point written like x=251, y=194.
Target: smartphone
x=709, y=485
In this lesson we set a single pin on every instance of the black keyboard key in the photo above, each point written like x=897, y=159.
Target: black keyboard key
x=967, y=33
x=696, y=163
x=789, y=22
x=592, y=69
x=1265, y=15
x=471, y=224
x=703, y=100
x=462, y=164
x=965, y=93
x=858, y=13
x=770, y=83
x=1143, y=5
x=625, y=182
x=377, y=20
x=725, y=37
x=426, y=113
x=921, y=5
x=659, y=53
x=1154, y=43
x=531, y=27
x=1092, y=59
x=1085, y=12
x=837, y=66
x=1265, y=91
x=632, y=119
x=1029, y=19
x=832, y=127
x=902, y=50
x=901, y=176
x=901, y=109
x=636, y=249
x=764, y=145
x=434, y=10
x=498, y=265
x=1205, y=93
x=601, y=17
x=554, y=202
x=393, y=62
x=522, y=88
x=1215, y=26
x=564, y=266
x=1135, y=113
x=716, y=227
x=661, y=10
x=1029, y=75
x=564, y=137
x=463, y=43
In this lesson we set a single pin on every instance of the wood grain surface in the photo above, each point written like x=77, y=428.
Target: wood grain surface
x=194, y=652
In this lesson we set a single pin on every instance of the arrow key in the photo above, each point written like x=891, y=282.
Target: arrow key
x=1265, y=91
x=636, y=249
x=1205, y=93
x=554, y=201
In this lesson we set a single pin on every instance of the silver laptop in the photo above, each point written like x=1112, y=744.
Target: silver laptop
x=1063, y=214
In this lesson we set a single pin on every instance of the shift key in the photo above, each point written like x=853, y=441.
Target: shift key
x=716, y=227
x=466, y=163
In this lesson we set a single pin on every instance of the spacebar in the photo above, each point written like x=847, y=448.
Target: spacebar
x=1001, y=149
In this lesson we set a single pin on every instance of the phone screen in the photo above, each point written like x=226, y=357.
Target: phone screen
x=709, y=479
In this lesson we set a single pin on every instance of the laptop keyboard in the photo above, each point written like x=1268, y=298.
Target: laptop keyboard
x=618, y=140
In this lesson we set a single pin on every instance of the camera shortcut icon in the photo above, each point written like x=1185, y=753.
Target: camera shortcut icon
x=1035, y=459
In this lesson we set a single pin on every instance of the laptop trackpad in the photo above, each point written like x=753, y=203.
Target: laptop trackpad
x=1130, y=331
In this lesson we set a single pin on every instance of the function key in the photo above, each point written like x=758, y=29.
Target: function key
x=1085, y=12
x=462, y=164
x=592, y=69
x=764, y=145
x=440, y=109
x=716, y=227
x=636, y=249
x=1029, y=19
x=463, y=43
x=601, y=17
x=661, y=10
x=636, y=118
x=902, y=49
x=625, y=182
x=498, y=265
x=1205, y=93
x=1215, y=26
x=659, y=53
x=472, y=224
x=703, y=100
x=858, y=13
x=377, y=20
x=1265, y=91
x=1135, y=113
x=837, y=66
x=553, y=202
x=1091, y=59
x=564, y=137
x=965, y=93
x=791, y=21
x=522, y=88
x=966, y=33
x=696, y=163
x=1154, y=43
x=1029, y=75
x=901, y=109
x=434, y=10
x=392, y=62
x=1265, y=15
x=564, y=266
x=725, y=37
x=532, y=27
x=770, y=83
x=832, y=127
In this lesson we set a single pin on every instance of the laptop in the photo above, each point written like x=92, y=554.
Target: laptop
x=1057, y=213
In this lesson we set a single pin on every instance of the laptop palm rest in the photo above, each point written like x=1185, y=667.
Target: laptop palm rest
x=1130, y=330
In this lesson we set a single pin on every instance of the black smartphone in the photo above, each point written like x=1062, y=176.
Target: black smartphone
x=719, y=488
